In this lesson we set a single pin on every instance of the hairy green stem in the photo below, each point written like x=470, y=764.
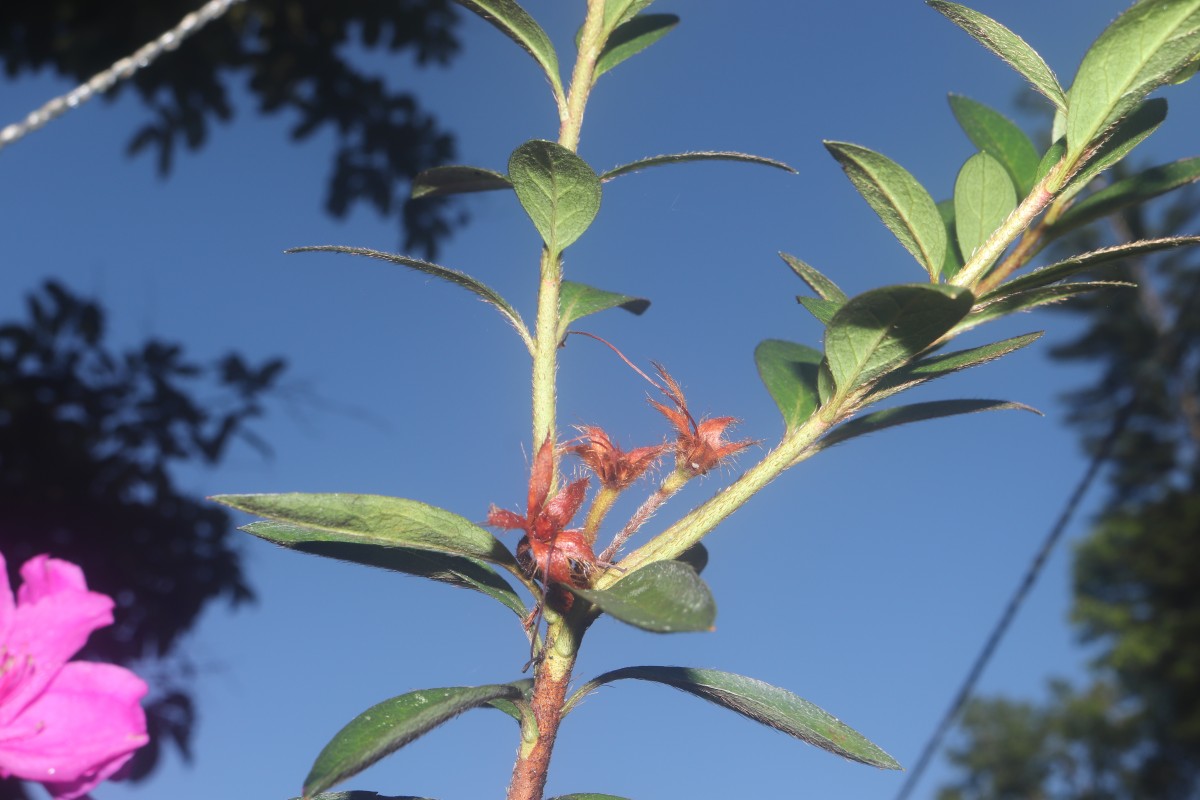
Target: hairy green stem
x=545, y=350
x=1016, y=224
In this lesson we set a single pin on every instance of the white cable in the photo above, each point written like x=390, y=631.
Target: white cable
x=121, y=70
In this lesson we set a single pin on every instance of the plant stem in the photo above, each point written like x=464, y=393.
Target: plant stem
x=545, y=350
x=1018, y=221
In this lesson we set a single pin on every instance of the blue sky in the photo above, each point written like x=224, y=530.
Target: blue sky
x=864, y=580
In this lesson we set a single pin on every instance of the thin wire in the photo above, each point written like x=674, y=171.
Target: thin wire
x=1014, y=604
x=121, y=70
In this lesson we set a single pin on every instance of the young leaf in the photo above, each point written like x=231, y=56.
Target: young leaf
x=918, y=412
x=441, y=181
x=1141, y=50
x=576, y=300
x=703, y=155
x=377, y=520
x=765, y=704
x=1050, y=159
x=632, y=37
x=557, y=189
x=515, y=23
x=939, y=365
x=386, y=727
x=1127, y=192
x=899, y=200
x=954, y=260
x=1053, y=273
x=825, y=288
x=1004, y=305
x=983, y=198
x=617, y=12
x=1006, y=44
x=789, y=371
x=885, y=327
x=823, y=310
x=663, y=597
x=443, y=567
x=480, y=290
x=994, y=134
x=1126, y=135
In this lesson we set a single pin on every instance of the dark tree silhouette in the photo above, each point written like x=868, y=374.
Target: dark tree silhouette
x=293, y=57
x=87, y=440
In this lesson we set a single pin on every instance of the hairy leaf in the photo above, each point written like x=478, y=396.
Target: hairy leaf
x=1128, y=192
x=983, y=198
x=994, y=134
x=1060, y=270
x=917, y=412
x=480, y=290
x=442, y=181
x=1141, y=50
x=765, y=704
x=825, y=288
x=899, y=200
x=823, y=310
x=386, y=727
x=576, y=300
x=1006, y=44
x=632, y=37
x=557, y=189
x=515, y=23
x=700, y=155
x=1004, y=305
x=941, y=364
x=663, y=597
x=789, y=371
x=1126, y=135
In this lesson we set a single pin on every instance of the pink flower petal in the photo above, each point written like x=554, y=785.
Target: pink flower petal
x=7, y=606
x=44, y=576
x=83, y=728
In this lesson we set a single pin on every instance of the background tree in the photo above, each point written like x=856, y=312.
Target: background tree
x=87, y=440
x=1134, y=730
x=292, y=56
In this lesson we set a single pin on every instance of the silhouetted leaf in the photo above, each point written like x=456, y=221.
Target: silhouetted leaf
x=695, y=557
x=885, y=327
x=454, y=570
x=557, y=189
x=663, y=597
x=377, y=520
x=996, y=135
x=1141, y=50
x=941, y=364
x=1006, y=44
x=983, y=198
x=386, y=727
x=1126, y=192
x=632, y=37
x=899, y=200
x=441, y=181
x=515, y=23
x=704, y=155
x=765, y=704
x=917, y=412
x=789, y=371
x=480, y=290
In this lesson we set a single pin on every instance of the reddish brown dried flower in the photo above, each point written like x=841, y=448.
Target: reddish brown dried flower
x=615, y=468
x=699, y=446
x=561, y=556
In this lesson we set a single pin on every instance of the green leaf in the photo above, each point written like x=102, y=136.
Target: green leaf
x=823, y=310
x=1051, y=158
x=983, y=198
x=695, y=557
x=825, y=288
x=617, y=12
x=881, y=329
x=700, y=155
x=632, y=37
x=1006, y=44
x=557, y=189
x=789, y=371
x=441, y=181
x=994, y=134
x=1141, y=50
x=825, y=387
x=765, y=704
x=1085, y=261
x=576, y=300
x=663, y=597
x=377, y=520
x=455, y=570
x=954, y=260
x=515, y=23
x=480, y=290
x=942, y=364
x=918, y=412
x=1126, y=135
x=1127, y=192
x=386, y=727
x=899, y=200
x=1008, y=304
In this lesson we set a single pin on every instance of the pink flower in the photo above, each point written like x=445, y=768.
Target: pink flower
x=66, y=725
